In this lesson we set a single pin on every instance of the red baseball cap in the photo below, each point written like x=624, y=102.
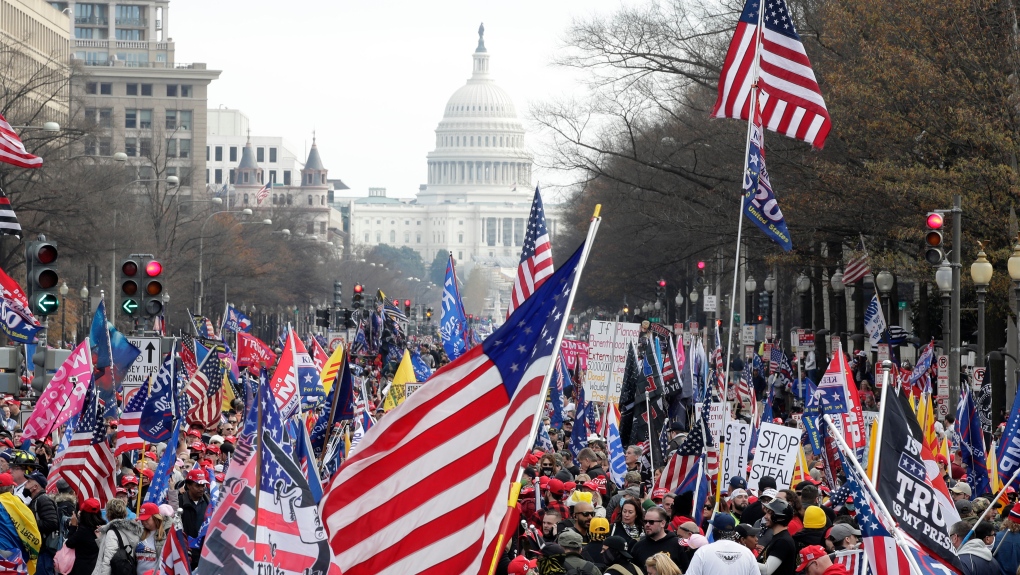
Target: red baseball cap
x=121, y=490
x=91, y=505
x=129, y=480
x=520, y=566
x=150, y=455
x=941, y=459
x=213, y=449
x=198, y=446
x=198, y=476
x=148, y=510
x=569, y=485
x=809, y=554
x=194, y=433
x=113, y=422
x=229, y=439
x=220, y=476
x=555, y=485
x=149, y=474
x=659, y=493
x=6, y=480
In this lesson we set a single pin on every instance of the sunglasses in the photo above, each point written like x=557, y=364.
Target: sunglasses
x=585, y=513
x=652, y=521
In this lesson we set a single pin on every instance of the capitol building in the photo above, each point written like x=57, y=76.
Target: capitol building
x=479, y=192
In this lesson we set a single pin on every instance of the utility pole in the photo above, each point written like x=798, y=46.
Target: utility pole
x=954, y=335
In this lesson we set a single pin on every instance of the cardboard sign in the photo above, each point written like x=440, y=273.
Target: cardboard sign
x=605, y=361
x=775, y=455
x=738, y=437
x=715, y=417
x=747, y=334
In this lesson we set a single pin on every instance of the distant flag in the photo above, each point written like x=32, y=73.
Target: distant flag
x=263, y=193
x=12, y=151
x=285, y=383
x=617, y=453
x=792, y=103
x=857, y=266
x=205, y=391
x=339, y=408
x=536, y=257
x=972, y=444
x=127, y=430
x=88, y=463
x=453, y=320
x=174, y=558
x=235, y=320
x=253, y=352
x=1007, y=452
x=760, y=203
x=8, y=219
x=422, y=372
x=874, y=321
x=164, y=470
x=63, y=396
x=542, y=440
x=688, y=456
x=398, y=387
x=331, y=368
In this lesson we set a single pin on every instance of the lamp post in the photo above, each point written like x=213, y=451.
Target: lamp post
x=166, y=310
x=839, y=290
x=981, y=274
x=804, y=288
x=201, y=249
x=1013, y=266
x=63, y=313
x=944, y=280
x=884, y=282
x=679, y=301
x=770, y=288
x=749, y=286
x=84, y=294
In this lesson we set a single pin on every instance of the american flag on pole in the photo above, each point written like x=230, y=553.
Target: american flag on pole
x=481, y=409
x=683, y=465
x=12, y=150
x=857, y=266
x=263, y=193
x=127, y=431
x=853, y=561
x=8, y=219
x=205, y=392
x=791, y=102
x=88, y=464
x=536, y=257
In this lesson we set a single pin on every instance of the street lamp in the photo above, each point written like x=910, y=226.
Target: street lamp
x=63, y=313
x=1013, y=266
x=884, y=282
x=944, y=280
x=201, y=249
x=981, y=274
x=770, y=288
x=839, y=290
x=803, y=288
x=749, y=287
x=166, y=308
x=49, y=127
x=84, y=294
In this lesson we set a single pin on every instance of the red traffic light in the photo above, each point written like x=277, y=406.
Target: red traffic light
x=407, y=303
x=153, y=268
x=701, y=265
x=935, y=221
x=396, y=302
x=662, y=283
x=129, y=268
x=471, y=316
x=46, y=254
x=358, y=288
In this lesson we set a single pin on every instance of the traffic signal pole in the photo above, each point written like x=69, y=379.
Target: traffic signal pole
x=954, y=347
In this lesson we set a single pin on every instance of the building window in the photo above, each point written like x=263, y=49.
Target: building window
x=233, y=177
x=171, y=148
x=378, y=237
x=145, y=119
x=508, y=231
x=171, y=119
x=272, y=176
x=260, y=155
x=407, y=237
x=518, y=231
x=417, y=238
x=460, y=238
x=244, y=177
x=130, y=118
x=366, y=237
x=145, y=147
x=460, y=222
x=131, y=147
x=207, y=176
x=310, y=228
x=171, y=90
x=322, y=200
x=322, y=227
x=146, y=89
x=184, y=119
x=286, y=177
x=129, y=35
x=378, y=222
x=218, y=176
x=184, y=147
x=322, y=179
x=233, y=153
x=274, y=199
x=310, y=200
x=187, y=91
x=393, y=237
x=272, y=155
x=460, y=255
x=490, y=231
x=219, y=153
x=418, y=223
x=246, y=199
x=290, y=200
x=132, y=89
x=105, y=146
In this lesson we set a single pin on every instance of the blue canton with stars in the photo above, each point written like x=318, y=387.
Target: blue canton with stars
x=536, y=323
x=89, y=421
x=777, y=17
x=536, y=228
x=272, y=425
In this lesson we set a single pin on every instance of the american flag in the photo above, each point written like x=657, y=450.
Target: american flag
x=88, y=464
x=791, y=101
x=127, y=430
x=481, y=408
x=683, y=465
x=853, y=561
x=187, y=353
x=263, y=193
x=720, y=371
x=536, y=257
x=8, y=219
x=174, y=557
x=857, y=266
x=205, y=392
x=12, y=150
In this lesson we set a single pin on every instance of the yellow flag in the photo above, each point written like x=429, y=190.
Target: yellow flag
x=926, y=419
x=228, y=392
x=993, y=471
x=398, y=389
x=800, y=470
x=331, y=369
x=872, y=446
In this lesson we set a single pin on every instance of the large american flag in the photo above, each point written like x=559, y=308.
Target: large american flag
x=536, y=257
x=127, y=430
x=12, y=151
x=791, y=102
x=450, y=451
x=8, y=219
x=857, y=266
x=88, y=463
x=205, y=392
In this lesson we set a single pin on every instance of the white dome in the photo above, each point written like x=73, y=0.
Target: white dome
x=480, y=99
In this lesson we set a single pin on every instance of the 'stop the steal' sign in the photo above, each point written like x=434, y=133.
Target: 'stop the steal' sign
x=775, y=456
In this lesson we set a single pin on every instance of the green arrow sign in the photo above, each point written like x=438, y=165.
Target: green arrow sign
x=46, y=304
x=129, y=306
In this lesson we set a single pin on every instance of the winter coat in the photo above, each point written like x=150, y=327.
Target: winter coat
x=1007, y=551
x=47, y=519
x=806, y=537
x=83, y=541
x=977, y=559
x=130, y=533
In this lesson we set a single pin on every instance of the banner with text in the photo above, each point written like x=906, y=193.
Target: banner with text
x=738, y=437
x=575, y=350
x=607, y=357
x=775, y=456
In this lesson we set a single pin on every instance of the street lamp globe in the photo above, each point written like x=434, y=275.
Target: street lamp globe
x=1013, y=263
x=246, y=211
x=981, y=270
x=64, y=289
x=679, y=299
x=166, y=298
x=770, y=283
x=693, y=295
x=51, y=127
x=944, y=277
x=657, y=305
x=84, y=293
x=750, y=284
x=173, y=180
x=884, y=281
x=836, y=281
x=803, y=284
x=267, y=222
x=120, y=157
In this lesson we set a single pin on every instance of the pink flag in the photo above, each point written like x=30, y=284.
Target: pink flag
x=63, y=396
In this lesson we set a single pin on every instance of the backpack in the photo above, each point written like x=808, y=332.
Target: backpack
x=587, y=569
x=124, y=561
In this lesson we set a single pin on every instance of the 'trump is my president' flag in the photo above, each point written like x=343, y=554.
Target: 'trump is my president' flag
x=453, y=320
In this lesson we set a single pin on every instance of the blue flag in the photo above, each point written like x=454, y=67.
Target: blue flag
x=542, y=440
x=303, y=456
x=453, y=321
x=161, y=479
x=99, y=337
x=422, y=372
x=16, y=325
x=236, y=321
x=1007, y=453
x=561, y=380
x=972, y=444
x=760, y=204
x=579, y=435
x=338, y=409
x=161, y=408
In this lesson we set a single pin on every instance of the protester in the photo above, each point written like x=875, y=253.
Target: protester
x=661, y=564
x=583, y=514
x=152, y=538
x=723, y=557
x=619, y=561
x=631, y=518
x=747, y=535
x=550, y=525
x=119, y=533
x=737, y=500
x=814, y=529
x=83, y=527
x=46, y=519
x=598, y=530
x=656, y=538
x=756, y=510
x=844, y=537
x=194, y=500
x=572, y=545
x=974, y=556
x=780, y=555
x=815, y=561
x=1006, y=548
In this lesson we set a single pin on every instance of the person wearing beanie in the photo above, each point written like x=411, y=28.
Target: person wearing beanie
x=598, y=530
x=815, y=526
x=619, y=561
x=1006, y=547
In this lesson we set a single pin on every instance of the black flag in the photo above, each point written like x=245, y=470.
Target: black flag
x=628, y=393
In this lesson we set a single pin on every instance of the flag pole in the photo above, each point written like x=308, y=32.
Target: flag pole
x=890, y=523
x=886, y=367
x=990, y=507
x=695, y=504
x=651, y=446
x=593, y=229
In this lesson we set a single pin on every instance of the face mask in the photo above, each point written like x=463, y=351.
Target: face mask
x=547, y=471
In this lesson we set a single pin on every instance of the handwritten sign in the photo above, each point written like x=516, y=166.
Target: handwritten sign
x=607, y=358
x=775, y=456
x=738, y=436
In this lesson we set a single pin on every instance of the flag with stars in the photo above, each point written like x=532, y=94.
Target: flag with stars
x=205, y=390
x=161, y=479
x=235, y=320
x=536, y=257
x=127, y=431
x=682, y=469
x=543, y=442
x=482, y=408
x=289, y=536
x=88, y=464
x=791, y=101
x=760, y=204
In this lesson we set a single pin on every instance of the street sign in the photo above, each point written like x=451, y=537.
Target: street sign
x=147, y=363
x=942, y=385
x=804, y=340
x=748, y=352
x=833, y=343
x=711, y=303
x=768, y=332
x=883, y=352
x=977, y=376
x=747, y=335
x=678, y=328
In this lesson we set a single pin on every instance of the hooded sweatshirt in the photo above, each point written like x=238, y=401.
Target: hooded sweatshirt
x=130, y=533
x=977, y=559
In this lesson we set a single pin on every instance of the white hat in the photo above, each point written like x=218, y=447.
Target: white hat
x=594, y=437
x=770, y=492
x=735, y=493
x=215, y=439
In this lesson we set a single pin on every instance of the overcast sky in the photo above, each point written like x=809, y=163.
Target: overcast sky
x=371, y=77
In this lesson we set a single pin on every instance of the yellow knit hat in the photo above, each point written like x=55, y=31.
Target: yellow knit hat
x=814, y=517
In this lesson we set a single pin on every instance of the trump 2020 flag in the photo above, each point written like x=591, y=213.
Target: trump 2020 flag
x=760, y=204
x=235, y=321
x=617, y=456
x=161, y=408
x=1007, y=452
x=453, y=321
x=874, y=321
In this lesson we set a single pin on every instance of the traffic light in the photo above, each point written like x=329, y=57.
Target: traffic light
x=43, y=279
x=358, y=301
x=701, y=273
x=407, y=307
x=660, y=289
x=152, y=294
x=428, y=314
x=338, y=294
x=763, y=307
x=349, y=318
x=933, y=250
x=396, y=304
x=322, y=318
x=130, y=291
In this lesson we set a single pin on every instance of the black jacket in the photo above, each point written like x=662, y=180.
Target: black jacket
x=46, y=519
x=86, y=550
x=192, y=513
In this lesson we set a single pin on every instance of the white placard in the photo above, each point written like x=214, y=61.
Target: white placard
x=711, y=303
x=738, y=437
x=147, y=363
x=747, y=334
x=715, y=417
x=606, y=364
x=775, y=455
